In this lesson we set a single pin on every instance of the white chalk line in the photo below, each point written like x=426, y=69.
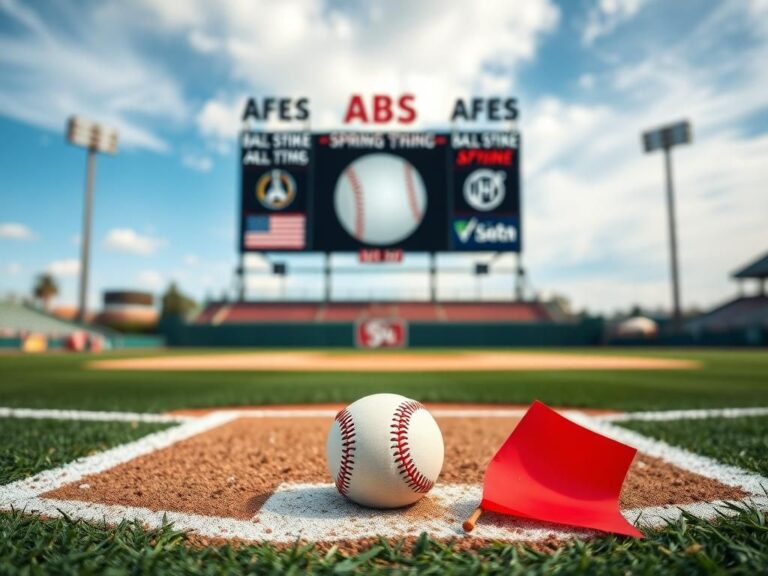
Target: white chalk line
x=316, y=512
x=671, y=415
x=750, y=482
x=91, y=415
x=16, y=493
x=108, y=416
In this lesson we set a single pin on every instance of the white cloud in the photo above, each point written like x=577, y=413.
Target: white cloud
x=595, y=205
x=553, y=128
x=64, y=268
x=128, y=240
x=151, y=279
x=587, y=81
x=294, y=47
x=15, y=231
x=606, y=15
x=191, y=260
x=425, y=48
x=13, y=269
x=759, y=7
x=197, y=163
x=203, y=43
x=220, y=119
x=50, y=73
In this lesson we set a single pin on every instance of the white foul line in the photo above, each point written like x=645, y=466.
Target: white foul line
x=490, y=412
x=318, y=513
x=750, y=482
x=670, y=415
x=17, y=493
x=107, y=416
x=90, y=415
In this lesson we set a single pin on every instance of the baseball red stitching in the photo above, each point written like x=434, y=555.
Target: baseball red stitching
x=401, y=449
x=347, y=431
x=357, y=192
x=411, y=192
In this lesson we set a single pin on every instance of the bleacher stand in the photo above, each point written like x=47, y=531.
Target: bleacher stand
x=254, y=312
x=746, y=313
x=743, y=312
x=18, y=321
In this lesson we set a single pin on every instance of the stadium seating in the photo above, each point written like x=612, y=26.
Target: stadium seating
x=340, y=312
x=19, y=319
x=742, y=312
x=507, y=312
x=420, y=312
x=249, y=312
x=35, y=330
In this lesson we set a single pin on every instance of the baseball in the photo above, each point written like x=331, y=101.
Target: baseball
x=384, y=451
x=380, y=199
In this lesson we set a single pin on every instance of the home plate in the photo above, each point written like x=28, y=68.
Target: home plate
x=318, y=513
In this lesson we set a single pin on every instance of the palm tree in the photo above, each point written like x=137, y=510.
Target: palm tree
x=45, y=289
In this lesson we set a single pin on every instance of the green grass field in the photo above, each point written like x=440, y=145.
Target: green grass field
x=31, y=545
x=727, y=378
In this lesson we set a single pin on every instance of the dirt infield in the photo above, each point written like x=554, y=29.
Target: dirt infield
x=265, y=470
x=232, y=470
x=393, y=362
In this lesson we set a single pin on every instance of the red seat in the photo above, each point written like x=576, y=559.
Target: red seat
x=246, y=312
x=494, y=312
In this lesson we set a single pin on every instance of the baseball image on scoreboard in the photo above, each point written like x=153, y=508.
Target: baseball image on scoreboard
x=380, y=190
x=380, y=199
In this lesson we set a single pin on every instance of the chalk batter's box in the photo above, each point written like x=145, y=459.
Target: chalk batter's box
x=346, y=191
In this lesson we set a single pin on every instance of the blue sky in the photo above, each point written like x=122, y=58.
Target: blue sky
x=590, y=75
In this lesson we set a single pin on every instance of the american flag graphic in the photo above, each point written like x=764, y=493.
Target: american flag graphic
x=271, y=232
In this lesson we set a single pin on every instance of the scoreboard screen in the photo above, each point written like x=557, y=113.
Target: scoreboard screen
x=348, y=191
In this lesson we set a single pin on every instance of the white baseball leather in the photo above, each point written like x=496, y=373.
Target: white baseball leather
x=380, y=199
x=385, y=451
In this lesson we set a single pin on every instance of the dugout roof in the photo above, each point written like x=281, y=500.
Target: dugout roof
x=756, y=269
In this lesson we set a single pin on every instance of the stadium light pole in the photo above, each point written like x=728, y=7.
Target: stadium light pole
x=95, y=138
x=665, y=138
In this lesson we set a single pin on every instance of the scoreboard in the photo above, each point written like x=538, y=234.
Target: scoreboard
x=353, y=190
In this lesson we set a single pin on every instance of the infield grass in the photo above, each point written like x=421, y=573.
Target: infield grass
x=726, y=378
x=30, y=446
x=736, y=545
x=741, y=442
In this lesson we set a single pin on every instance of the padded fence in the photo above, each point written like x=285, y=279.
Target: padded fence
x=420, y=334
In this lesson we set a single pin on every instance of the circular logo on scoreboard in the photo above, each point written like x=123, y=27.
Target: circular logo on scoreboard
x=484, y=189
x=276, y=189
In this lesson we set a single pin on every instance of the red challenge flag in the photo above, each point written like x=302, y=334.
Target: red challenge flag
x=554, y=470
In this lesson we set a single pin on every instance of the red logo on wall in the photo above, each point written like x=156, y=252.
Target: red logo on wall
x=381, y=333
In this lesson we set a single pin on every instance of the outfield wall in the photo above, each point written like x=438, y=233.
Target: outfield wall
x=586, y=332
x=420, y=334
